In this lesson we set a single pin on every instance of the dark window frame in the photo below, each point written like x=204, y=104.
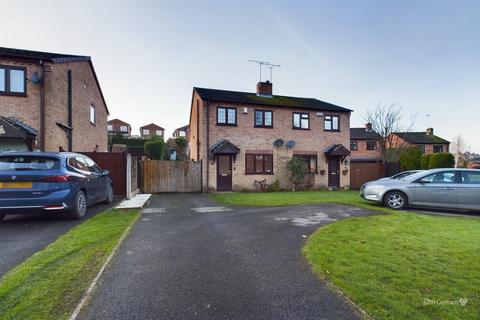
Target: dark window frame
x=254, y=155
x=375, y=146
x=331, y=116
x=226, y=116
x=304, y=157
x=7, y=91
x=300, y=114
x=255, y=125
x=354, y=143
x=437, y=146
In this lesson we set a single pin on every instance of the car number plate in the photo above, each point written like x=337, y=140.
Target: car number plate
x=15, y=185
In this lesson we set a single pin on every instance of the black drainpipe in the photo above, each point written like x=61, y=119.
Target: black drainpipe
x=208, y=143
x=42, y=107
x=70, y=108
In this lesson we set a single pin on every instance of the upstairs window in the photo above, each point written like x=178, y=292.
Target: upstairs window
x=146, y=132
x=13, y=80
x=354, y=145
x=123, y=128
x=371, y=145
x=110, y=127
x=332, y=123
x=263, y=119
x=159, y=133
x=226, y=116
x=93, y=115
x=301, y=121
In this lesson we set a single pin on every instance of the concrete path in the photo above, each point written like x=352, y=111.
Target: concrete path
x=191, y=258
x=22, y=235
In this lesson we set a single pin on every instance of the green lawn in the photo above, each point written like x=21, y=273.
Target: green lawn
x=390, y=264
x=49, y=284
x=256, y=199
x=397, y=266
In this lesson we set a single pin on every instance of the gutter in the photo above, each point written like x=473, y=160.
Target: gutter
x=42, y=108
x=208, y=143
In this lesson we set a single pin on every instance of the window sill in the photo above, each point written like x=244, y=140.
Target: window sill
x=259, y=174
x=13, y=94
x=306, y=129
x=227, y=125
x=331, y=130
x=263, y=127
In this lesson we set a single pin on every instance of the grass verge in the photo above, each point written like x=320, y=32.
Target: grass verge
x=50, y=283
x=350, y=197
x=403, y=266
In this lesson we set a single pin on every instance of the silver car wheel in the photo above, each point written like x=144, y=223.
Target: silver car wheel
x=81, y=204
x=395, y=200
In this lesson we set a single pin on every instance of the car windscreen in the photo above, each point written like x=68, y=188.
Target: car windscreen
x=24, y=163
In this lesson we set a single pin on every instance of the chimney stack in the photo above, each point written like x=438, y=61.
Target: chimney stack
x=264, y=89
x=430, y=132
x=369, y=127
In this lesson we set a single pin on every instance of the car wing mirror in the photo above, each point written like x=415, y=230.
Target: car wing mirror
x=105, y=172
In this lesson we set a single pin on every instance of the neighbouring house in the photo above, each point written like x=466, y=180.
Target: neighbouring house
x=119, y=127
x=242, y=138
x=474, y=163
x=366, y=157
x=56, y=96
x=151, y=130
x=181, y=132
x=427, y=141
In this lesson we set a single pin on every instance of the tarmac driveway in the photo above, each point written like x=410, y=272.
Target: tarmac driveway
x=214, y=263
x=22, y=235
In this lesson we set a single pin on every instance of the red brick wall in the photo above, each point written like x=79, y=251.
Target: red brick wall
x=85, y=92
x=363, y=153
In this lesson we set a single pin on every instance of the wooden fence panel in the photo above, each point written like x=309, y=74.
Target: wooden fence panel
x=116, y=163
x=362, y=172
x=162, y=176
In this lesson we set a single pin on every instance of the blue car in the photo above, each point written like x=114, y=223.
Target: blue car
x=35, y=182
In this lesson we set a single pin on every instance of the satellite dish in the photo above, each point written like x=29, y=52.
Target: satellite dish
x=35, y=78
x=290, y=144
x=278, y=143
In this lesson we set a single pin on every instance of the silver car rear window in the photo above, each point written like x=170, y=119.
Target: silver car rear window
x=23, y=163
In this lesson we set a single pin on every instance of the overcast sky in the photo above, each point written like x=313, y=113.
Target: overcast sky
x=422, y=55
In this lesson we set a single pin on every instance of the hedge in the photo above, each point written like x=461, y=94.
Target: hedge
x=441, y=160
x=410, y=159
x=155, y=149
x=425, y=161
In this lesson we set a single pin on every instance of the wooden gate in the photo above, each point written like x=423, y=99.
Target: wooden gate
x=116, y=163
x=362, y=172
x=161, y=176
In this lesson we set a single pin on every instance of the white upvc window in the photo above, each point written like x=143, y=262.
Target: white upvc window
x=124, y=128
x=159, y=133
x=92, y=114
x=110, y=127
x=145, y=131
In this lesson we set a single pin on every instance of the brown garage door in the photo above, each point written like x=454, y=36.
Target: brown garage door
x=362, y=172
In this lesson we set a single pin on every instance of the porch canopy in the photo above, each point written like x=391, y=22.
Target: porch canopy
x=337, y=150
x=224, y=147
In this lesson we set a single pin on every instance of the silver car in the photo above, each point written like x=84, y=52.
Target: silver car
x=436, y=188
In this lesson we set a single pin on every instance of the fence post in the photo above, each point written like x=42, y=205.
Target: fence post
x=129, y=176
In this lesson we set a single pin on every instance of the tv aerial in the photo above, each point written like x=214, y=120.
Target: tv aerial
x=268, y=65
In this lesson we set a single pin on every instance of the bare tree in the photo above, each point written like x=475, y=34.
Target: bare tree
x=387, y=120
x=458, y=148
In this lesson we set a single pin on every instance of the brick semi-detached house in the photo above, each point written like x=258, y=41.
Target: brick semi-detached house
x=426, y=141
x=245, y=137
x=152, y=130
x=119, y=127
x=57, y=96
